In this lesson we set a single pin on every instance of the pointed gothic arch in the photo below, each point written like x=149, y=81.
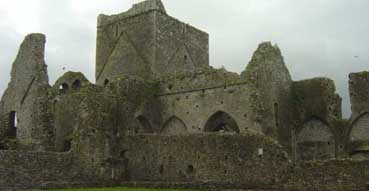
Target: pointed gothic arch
x=174, y=126
x=360, y=127
x=221, y=121
x=359, y=137
x=315, y=140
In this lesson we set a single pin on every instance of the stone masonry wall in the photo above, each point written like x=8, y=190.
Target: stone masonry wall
x=357, y=133
x=25, y=100
x=146, y=42
x=125, y=47
x=196, y=107
x=179, y=47
x=25, y=170
x=358, y=88
x=332, y=175
x=317, y=108
x=270, y=83
x=245, y=161
x=66, y=99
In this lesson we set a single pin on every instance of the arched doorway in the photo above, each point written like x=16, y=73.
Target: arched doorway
x=221, y=122
x=315, y=141
x=174, y=126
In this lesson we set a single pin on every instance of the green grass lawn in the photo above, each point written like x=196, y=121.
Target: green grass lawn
x=118, y=189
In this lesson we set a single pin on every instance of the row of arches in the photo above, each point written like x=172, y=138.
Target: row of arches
x=316, y=140
x=218, y=122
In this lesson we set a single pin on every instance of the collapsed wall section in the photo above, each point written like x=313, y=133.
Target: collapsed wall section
x=270, y=84
x=26, y=115
x=358, y=135
x=68, y=93
x=358, y=88
x=317, y=113
x=104, y=116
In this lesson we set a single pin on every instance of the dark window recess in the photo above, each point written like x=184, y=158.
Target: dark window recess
x=190, y=169
x=67, y=145
x=123, y=154
x=76, y=84
x=161, y=169
x=276, y=114
x=170, y=87
x=106, y=82
x=64, y=88
x=12, y=129
x=185, y=57
x=221, y=122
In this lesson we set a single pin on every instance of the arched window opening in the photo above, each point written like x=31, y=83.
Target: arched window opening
x=67, y=145
x=76, y=84
x=174, y=126
x=12, y=129
x=221, y=122
x=63, y=88
x=55, y=104
x=145, y=125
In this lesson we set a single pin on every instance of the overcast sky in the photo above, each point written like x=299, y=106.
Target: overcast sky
x=317, y=37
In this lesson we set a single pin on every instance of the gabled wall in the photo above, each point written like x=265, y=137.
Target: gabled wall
x=270, y=83
x=26, y=96
x=145, y=42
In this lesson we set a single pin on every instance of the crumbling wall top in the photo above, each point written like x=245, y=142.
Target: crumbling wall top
x=139, y=8
x=358, y=88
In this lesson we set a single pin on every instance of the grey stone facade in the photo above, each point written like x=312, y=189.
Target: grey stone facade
x=160, y=115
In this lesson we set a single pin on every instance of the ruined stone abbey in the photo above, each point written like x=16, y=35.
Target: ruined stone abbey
x=160, y=116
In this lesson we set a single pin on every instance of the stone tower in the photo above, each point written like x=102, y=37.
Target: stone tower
x=146, y=42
